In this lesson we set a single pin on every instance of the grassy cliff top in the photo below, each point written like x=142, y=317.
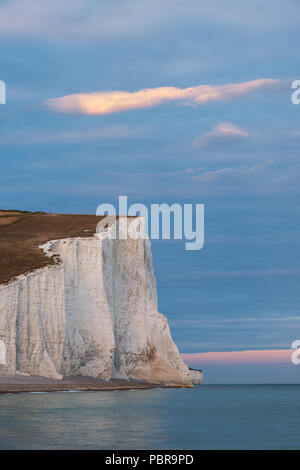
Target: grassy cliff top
x=22, y=232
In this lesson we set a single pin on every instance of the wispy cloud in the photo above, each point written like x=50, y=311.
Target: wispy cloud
x=107, y=102
x=231, y=174
x=79, y=19
x=246, y=273
x=280, y=356
x=296, y=134
x=222, y=133
x=37, y=136
x=94, y=19
x=272, y=319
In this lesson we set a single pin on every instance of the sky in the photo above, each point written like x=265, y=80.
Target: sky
x=177, y=102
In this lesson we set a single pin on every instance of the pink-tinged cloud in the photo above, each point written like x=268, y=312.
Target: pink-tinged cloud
x=222, y=133
x=278, y=356
x=107, y=102
x=230, y=129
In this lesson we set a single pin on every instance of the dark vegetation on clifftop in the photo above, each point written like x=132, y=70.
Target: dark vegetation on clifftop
x=22, y=232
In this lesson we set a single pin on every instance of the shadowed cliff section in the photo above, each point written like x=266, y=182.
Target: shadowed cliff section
x=21, y=234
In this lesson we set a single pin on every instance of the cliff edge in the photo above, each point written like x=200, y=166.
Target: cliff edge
x=90, y=309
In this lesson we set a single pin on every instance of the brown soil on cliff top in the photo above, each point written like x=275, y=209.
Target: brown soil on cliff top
x=21, y=233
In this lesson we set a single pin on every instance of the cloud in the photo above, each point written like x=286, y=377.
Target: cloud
x=242, y=173
x=222, y=133
x=278, y=356
x=296, y=134
x=107, y=102
x=36, y=136
x=241, y=273
x=94, y=19
x=78, y=19
x=231, y=322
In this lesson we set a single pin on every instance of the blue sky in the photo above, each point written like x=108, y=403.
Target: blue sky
x=237, y=154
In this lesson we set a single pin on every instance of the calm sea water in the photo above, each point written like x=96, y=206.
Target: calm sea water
x=206, y=417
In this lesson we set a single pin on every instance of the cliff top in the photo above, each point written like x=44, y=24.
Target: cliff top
x=22, y=232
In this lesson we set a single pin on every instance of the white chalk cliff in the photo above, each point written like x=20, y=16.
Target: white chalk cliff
x=197, y=376
x=94, y=313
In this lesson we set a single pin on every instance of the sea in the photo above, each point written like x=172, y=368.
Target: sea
x=206, y=417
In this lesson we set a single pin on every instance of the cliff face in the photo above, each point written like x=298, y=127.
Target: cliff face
x=93, y=314
x=197, y=376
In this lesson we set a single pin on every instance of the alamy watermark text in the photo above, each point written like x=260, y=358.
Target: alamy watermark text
x=163, y=221
x=296, y=93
